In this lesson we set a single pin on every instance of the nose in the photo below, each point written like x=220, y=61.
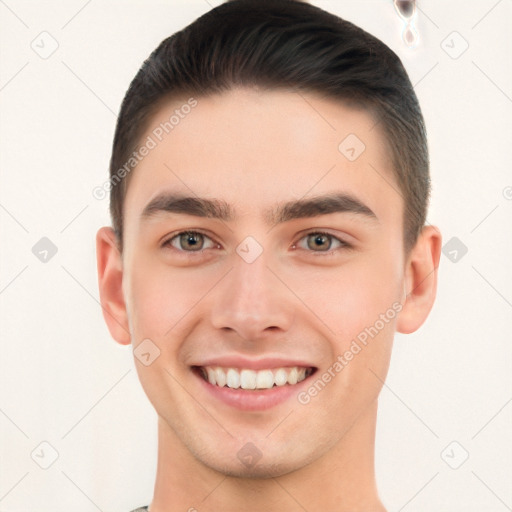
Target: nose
x=252, y=301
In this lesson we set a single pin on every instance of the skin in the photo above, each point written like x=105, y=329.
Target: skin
x=254, y=150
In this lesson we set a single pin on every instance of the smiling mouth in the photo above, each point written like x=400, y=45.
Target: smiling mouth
x=235, y=378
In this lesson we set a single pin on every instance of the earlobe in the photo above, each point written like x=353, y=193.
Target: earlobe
x=420, y=280
x=110, y=282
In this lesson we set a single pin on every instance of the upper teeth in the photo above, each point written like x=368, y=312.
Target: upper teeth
x=250, y=379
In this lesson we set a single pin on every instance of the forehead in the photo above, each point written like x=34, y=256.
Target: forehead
x=254, y=149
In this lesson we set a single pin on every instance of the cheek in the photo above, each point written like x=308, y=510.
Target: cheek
x=355, y=296
x=161, y=297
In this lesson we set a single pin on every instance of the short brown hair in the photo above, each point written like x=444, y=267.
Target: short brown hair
x=281, y=44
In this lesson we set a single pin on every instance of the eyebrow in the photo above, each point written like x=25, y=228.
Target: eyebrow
x=283, y=212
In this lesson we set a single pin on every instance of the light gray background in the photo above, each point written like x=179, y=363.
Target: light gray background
x=65, y=382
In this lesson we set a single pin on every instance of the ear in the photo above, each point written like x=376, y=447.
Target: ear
x=420, y=280
x=110, y=281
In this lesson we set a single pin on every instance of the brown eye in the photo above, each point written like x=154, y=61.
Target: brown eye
x=319, y=241
x=190, y=241
x=193, y=241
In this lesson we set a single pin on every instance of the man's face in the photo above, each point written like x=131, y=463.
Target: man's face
x=265, y=288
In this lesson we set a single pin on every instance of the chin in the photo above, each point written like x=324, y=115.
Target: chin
x=258, y=472
x=252, y=463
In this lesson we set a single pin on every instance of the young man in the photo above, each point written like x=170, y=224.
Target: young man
x=269, y=192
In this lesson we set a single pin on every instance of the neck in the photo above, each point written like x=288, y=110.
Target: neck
x=343, y=480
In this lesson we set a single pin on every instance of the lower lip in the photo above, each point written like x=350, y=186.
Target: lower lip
x=252, y=400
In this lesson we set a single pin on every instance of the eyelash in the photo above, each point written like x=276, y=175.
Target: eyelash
x=330, y=252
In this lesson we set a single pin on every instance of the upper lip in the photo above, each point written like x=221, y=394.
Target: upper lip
x=265, y=363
